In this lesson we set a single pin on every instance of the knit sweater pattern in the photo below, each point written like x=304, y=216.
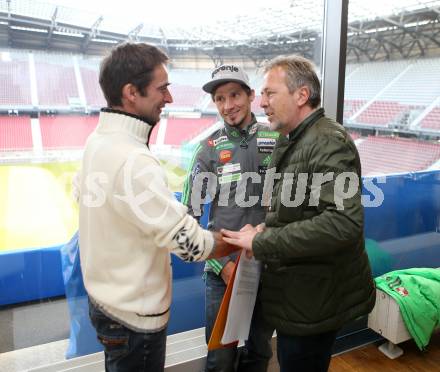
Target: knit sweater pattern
x=129, y=224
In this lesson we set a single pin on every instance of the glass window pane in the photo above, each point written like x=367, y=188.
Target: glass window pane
x=392, y=105
x=49, y=104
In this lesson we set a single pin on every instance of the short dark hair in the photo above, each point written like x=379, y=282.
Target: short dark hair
x=128, y=63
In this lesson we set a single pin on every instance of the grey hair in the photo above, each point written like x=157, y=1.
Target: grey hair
x=299, y=72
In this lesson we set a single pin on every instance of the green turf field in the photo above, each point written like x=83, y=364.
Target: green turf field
x=36, y=207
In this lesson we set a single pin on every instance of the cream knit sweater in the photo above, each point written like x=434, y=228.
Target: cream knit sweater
x=129, y=223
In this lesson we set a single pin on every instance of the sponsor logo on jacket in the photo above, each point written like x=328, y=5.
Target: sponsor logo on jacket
x=267, y=134
x=229, y=168
x=229, y=178
x=266, y=160
x=220, y=140
x=266, y=142
x=225, y=146
x=234, y=133
x=224, y=156
x=402, y=291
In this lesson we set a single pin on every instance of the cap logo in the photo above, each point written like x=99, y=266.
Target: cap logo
x=231, y=68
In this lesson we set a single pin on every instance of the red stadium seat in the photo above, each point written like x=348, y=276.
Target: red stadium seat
x=66, y=131
x=15, y=133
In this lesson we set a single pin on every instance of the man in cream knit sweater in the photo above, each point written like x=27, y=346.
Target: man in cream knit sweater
x=129, y=219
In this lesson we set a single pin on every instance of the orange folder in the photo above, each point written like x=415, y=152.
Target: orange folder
x=220, y=321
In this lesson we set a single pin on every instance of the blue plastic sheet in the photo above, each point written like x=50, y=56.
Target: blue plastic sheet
x=30, y=274
x=82, y=338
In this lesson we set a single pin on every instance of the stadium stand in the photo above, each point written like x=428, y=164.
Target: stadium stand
x=14, y=75
x=186, y=97
x=418, y=86
x=90, y=77
x=66, y=131
x=153, y=135
x=432, y=120
x=194, y=77
x=186, y=88
x=351, y=106
x=365, y=83
x=354, y=135
x=377, y=96
x=385, y=113
x=395, y=155
x=181, y=130
x=56, y=81
x=368, y=79
x=390, y=93
x=15, y=133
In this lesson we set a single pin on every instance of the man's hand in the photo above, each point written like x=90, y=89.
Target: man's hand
x=227, y=271
x=242, y=238
x=222, y=248
x=247, y=227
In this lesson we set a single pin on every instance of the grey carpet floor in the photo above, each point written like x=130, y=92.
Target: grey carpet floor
x=33, y=324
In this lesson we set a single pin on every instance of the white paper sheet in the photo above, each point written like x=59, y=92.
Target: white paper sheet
x=244, y=294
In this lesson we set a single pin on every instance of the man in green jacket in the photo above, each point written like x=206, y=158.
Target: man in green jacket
x=316, y=275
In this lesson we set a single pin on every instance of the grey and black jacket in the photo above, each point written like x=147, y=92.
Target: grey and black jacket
x=228, y=154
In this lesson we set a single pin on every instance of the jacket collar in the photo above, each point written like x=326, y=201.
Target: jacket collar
x=306, y=123
x=286, y=144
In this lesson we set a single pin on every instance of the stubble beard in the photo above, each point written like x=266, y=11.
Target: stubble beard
x=240, y=124
x=276, y=126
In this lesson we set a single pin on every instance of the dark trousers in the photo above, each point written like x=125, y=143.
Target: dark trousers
x=255, y=355
x=305, y=353
x=126, y=350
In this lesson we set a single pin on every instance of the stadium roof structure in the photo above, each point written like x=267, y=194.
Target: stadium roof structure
x=395, y=29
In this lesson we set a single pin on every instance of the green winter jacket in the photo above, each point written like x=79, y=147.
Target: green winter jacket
x=316, y=275
x=417, y=292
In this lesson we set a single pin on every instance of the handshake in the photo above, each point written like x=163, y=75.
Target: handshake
x=227, y=241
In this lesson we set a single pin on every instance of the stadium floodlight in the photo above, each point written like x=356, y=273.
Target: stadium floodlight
x=68, y=33
x=107, y=41
x=31, y=29
x=418, y=23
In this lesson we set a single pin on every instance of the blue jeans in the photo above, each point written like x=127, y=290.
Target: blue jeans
x=305, y=353
x=126, y=350
x=255, y=355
